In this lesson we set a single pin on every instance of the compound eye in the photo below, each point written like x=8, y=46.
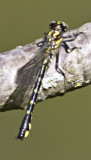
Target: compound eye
x=53, y=24
x=64, y=26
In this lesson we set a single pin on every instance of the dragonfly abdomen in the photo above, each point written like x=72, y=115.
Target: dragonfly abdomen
x=26, y=123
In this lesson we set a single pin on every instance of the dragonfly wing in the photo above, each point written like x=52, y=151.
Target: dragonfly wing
x=28, y=74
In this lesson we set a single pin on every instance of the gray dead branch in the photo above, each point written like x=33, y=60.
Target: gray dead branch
x=76, y=66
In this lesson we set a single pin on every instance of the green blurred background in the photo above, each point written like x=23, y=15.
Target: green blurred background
x=61, y=126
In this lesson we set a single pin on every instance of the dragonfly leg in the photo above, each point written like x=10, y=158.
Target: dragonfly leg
x=56, y=65
x=67, y=48
x=72, y=37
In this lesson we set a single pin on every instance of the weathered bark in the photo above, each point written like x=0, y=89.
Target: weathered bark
x=76, y=66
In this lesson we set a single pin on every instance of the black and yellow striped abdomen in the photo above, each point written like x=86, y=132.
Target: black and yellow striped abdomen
x=26, y=124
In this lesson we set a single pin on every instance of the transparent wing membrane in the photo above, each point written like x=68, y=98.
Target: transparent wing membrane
x=28, y=73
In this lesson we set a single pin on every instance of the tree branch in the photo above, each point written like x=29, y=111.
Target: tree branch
x=76, y=66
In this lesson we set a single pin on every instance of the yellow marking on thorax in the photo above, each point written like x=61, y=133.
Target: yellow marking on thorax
x=56, y=33
x=51, y=32
x=58, y=41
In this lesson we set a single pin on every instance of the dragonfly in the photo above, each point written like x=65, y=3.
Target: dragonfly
x=33, y=72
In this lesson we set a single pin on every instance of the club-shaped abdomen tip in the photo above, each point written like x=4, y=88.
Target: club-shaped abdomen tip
x=23, y=136
x=19, y=137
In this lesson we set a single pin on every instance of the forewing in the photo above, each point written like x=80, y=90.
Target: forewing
x=28, y=74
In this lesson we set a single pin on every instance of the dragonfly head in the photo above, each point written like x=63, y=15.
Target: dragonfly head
x=59, y=25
